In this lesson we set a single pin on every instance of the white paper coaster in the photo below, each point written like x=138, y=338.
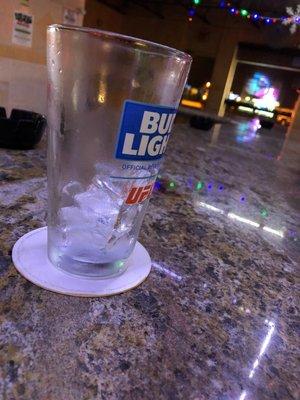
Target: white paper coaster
x=30, y=258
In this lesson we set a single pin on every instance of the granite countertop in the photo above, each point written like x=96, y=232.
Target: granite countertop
x=217, y=317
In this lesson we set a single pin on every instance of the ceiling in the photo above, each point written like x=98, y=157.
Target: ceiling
x=159, y=7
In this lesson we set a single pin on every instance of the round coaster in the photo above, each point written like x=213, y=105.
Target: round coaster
x=31, y=260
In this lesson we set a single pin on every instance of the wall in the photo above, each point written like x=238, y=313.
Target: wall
x=23, y=80
x=102, y=17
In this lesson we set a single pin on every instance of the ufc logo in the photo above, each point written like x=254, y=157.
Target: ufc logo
x=139, y=194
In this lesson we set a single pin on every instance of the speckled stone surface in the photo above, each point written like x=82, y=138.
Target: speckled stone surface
x=217, y=319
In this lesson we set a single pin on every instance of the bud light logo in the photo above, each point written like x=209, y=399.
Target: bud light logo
x=144, y=131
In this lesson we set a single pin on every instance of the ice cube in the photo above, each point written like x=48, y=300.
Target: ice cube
x=77, y=230
x=97, y=221
x=97, y=210
x=115, y=192
x=69, y=191
x=72, y=188
x=96, y=201
x=71, y=216
x=127, y=218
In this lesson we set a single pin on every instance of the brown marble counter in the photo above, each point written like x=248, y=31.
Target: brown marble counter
x=217, y=317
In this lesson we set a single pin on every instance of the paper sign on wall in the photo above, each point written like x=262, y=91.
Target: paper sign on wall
x=22, y=29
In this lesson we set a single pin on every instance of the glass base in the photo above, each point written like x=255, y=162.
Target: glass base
x=87, y=269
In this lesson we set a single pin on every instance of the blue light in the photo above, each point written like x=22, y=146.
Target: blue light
x=222, y=4
x=268, y=20
x=209, y=186
x=190, y=183
x=221, y=187
x=232, y=10
x=258, y=85
x=243, y=199
x=192, y=12
x=292, y=233
x=157, y=185
x=255, y=16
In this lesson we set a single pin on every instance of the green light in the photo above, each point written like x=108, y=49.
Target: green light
x=244, y=13
x=199, y=185
x=264, y=213
x=172, y=185
x=119, y=264
x=197, y=2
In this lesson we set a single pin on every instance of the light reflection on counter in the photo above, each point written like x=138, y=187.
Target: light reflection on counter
x=274, y=231
x=167, y=271
x=243, y=395
x=242, y=219
x=263, y=348
x=239, y=218
x=265, y=343
x=210, y=207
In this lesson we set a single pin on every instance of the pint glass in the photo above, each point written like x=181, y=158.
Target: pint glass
x=112, y=101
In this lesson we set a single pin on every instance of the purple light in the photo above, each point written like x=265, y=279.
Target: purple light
x=221, y=187
x=292, y=233
x=242, y=199
x=190, y=183
x=157, y=185
x=297, y=20
x=209, y=186
x=232, y=10
x=191, y=12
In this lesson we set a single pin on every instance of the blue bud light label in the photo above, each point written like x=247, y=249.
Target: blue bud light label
x=144, y=131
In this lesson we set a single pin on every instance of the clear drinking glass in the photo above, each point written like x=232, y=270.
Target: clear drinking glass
x=112, y=100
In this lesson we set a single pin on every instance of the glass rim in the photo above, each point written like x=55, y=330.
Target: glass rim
x=131, y=40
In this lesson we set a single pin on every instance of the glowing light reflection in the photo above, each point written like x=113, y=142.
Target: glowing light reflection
x=243, y=395
x=246, y=109
x=265, y=113
x=239, y=218
x=242, y=219
x=167, y=271
x=210, y=207
x=274, y=231
x=263, y=348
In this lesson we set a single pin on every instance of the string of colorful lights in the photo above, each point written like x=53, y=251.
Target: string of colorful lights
x=193, y=10
x=256, y=16
x=293, y=17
